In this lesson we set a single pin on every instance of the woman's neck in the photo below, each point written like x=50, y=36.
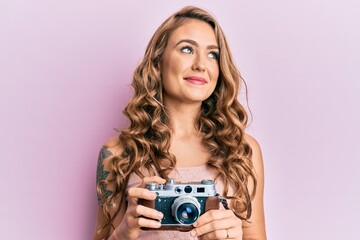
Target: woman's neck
x=182, y=118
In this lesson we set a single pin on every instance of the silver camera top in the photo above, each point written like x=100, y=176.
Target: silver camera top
x=203, y=188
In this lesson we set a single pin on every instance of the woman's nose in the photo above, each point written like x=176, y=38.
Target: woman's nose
x=198, y=64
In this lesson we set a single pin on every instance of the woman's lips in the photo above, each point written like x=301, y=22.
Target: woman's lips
x=196, y=80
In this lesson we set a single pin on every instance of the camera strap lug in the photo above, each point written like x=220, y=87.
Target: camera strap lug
x=223, y=201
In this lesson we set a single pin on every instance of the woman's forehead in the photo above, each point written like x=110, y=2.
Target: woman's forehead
x=195, y=30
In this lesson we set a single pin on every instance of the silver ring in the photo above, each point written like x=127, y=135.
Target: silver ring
x=227, y=233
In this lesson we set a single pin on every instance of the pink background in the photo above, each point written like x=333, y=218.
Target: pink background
x=65, y=69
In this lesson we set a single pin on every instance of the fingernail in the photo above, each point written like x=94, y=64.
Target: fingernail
x=193, y=233
x=160, y=215
x=195, y=224
x=157, y=224
x=152, y=194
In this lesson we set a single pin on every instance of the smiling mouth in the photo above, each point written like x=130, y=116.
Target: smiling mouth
x=196, y=80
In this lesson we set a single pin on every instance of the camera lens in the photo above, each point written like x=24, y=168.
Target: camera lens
x=186, y=209
x=187, y=213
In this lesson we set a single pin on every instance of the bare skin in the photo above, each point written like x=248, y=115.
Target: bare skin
x=190, y=70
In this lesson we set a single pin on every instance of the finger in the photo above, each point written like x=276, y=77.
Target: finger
x=135, y=193
x=156, y=179
x=146, y=212
x=139, y=222
x=213, y=215
x=218, y=235
x=216, y=227
x=142, y=193
x=232, y=233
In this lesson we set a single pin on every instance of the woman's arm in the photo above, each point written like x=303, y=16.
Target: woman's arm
x=101, y=218
x=103, y=169
x=254, y=228
x=131, y=217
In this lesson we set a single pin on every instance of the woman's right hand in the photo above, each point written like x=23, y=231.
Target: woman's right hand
x=137, y=216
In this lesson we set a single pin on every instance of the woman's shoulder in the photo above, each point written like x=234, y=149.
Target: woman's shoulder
x=254, y=144
x=113, y=145
x=257, y=158
x=111, y=148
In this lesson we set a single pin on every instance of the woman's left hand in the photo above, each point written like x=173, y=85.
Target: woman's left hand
x=218, y=224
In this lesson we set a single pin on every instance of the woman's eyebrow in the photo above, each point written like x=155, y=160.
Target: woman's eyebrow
x=192, y=42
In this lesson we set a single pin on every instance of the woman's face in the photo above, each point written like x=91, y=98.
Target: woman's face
x=189, y=65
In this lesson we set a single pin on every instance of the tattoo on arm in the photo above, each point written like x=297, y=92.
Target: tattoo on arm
x=101, y=174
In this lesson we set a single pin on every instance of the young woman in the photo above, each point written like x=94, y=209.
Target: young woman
x=185, y=123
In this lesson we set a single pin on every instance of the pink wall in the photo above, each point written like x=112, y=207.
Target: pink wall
x=65, y=69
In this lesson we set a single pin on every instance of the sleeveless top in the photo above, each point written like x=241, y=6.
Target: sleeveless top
x=180, y=174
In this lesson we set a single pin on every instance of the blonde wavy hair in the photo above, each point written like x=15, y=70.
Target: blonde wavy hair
x=146, y=142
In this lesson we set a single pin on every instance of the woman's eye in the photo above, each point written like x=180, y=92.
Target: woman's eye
x=187, y=50
x=214, y=55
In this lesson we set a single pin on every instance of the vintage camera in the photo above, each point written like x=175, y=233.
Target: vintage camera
x=182, y=203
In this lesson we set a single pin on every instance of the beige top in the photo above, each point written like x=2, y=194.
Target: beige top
x=181, y=174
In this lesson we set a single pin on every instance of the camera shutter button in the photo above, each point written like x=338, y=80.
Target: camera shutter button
x=207, y=182
x=151, y=186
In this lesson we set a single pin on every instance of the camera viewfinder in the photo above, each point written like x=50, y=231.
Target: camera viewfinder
x=200, y=190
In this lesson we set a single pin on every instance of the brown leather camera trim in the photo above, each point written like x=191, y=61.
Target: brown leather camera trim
x=147, y=203
x=212, y=203
x=183, y=228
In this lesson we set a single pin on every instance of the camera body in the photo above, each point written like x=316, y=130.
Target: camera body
x=182, y=203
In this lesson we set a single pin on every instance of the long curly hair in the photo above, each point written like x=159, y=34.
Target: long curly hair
x=221, y=121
